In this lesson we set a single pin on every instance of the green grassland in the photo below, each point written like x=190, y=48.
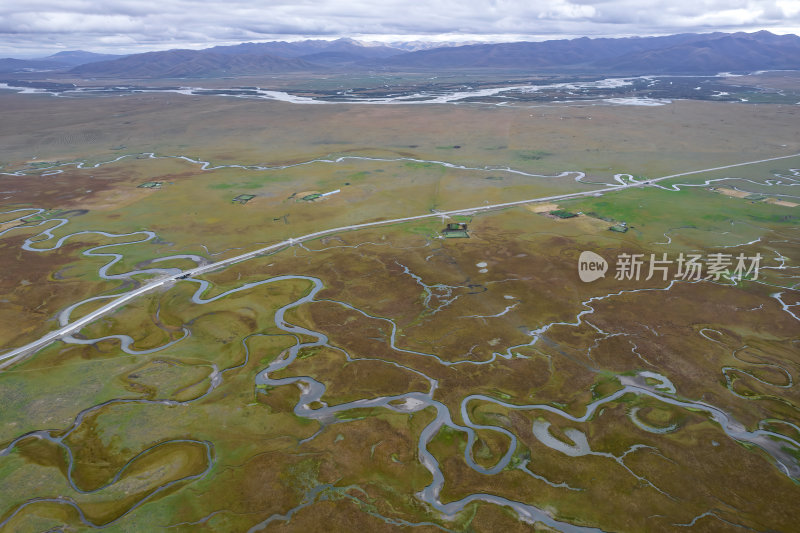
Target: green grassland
x=256, y=437
x=181, y=438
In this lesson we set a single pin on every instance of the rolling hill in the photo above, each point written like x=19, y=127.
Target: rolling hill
x=190, y=64
x=60, y=61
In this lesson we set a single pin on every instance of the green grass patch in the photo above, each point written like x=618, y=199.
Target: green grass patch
x=309, y=352
x=532, y=155
x=417, y=165
x=689, y=207
x=358, y=176
x=223, y=186
x=563, y=213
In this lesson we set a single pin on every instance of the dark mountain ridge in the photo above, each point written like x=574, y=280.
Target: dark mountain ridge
x=191, y=64
x=677, y=54
x=687, y=53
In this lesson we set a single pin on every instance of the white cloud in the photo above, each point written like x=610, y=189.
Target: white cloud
x=132, y=25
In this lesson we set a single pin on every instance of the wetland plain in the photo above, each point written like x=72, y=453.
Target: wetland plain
x=384, y=377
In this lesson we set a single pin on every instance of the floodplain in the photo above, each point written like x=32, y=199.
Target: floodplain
x=385, y=377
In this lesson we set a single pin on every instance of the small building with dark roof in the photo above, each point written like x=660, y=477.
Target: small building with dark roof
x=455, y=230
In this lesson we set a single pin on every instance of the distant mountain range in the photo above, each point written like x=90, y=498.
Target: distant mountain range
x=679, y=54
x=675, y=54
x=191, y=64
x=355, y=50
x=59, y=61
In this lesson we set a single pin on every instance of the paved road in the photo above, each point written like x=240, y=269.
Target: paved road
x=11, y=356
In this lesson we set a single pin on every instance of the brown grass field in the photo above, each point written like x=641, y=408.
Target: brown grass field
x=181, y=437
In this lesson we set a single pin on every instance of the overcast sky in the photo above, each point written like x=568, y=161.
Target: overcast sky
x=31, y=27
